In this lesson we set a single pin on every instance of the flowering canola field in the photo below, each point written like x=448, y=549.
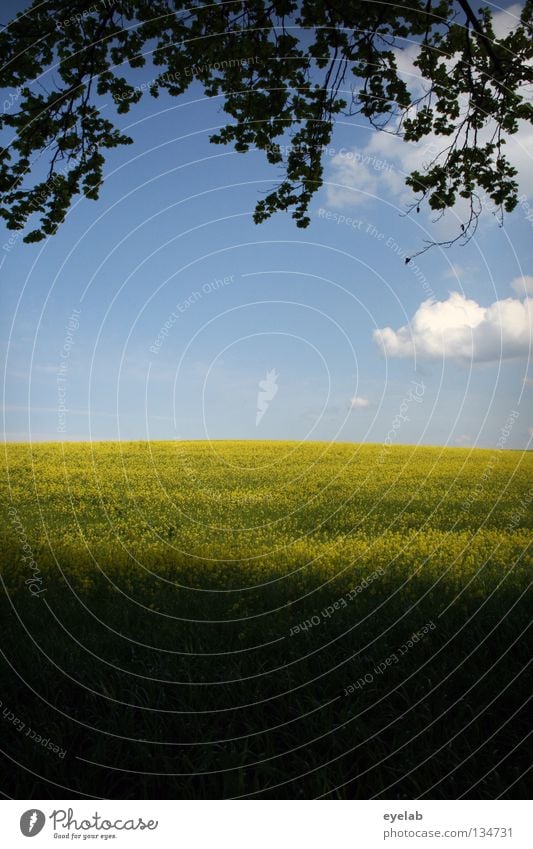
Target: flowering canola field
x=172, y=592
x=214, y=512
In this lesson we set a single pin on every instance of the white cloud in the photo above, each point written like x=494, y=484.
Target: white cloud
x=461, y=329
x=455, y=271
x=506, y=20
x=523, y=286
x=358, y=402
x=379, y=169
x=358, y=176
x=519, y=151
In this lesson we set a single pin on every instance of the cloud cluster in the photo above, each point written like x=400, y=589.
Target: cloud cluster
x=461, y=329
x=358, y=176
x=354, y=177
x=358, y=403
x=523, y=286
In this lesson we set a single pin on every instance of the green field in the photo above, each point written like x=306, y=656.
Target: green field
x=265, y=619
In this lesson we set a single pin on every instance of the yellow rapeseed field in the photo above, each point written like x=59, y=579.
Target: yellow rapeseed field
x=211, y=620
x=253, y=512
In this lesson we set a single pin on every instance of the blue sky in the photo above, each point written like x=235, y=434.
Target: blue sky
x=156, y=312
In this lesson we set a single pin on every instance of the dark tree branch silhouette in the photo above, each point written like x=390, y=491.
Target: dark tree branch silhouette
x=285, y=71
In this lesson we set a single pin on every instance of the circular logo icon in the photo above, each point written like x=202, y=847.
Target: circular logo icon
x=32, y=822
